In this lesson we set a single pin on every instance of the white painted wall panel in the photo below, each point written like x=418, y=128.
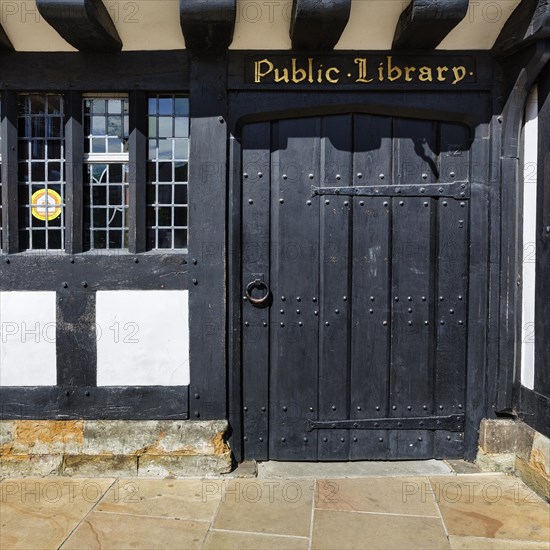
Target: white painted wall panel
x=27, y=339
x=529, y=241
x=143, y=338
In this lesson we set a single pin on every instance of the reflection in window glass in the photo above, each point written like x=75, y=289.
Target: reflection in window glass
x=106, y=173
x=167, y=172
x=41, y=171
x=106, y=206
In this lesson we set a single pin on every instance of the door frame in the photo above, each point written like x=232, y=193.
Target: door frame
x=249, y=106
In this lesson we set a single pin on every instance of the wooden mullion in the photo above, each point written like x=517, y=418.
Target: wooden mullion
x=74, y=177
x=137, y=179
x=10, y=220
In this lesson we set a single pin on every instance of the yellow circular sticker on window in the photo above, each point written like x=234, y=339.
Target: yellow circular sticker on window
x=46, y=204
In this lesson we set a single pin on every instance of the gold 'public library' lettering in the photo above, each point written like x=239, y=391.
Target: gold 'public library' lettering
x=312, y=72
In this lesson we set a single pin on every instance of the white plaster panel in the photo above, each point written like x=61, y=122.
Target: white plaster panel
x=27, y=339
x=143, y=338
x=529, y=241
x=481, y=26
x=28, y=30
x=262, y=25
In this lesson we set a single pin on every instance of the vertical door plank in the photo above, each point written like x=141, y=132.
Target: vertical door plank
x=334, y=300
x=294, y=274
x=452, y=282
x=412, y=285
x=371, y=272
x=255, y=264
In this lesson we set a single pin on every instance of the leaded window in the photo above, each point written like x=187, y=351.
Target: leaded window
x=167, y=172
x=106, y=165
x=73, y=189
x=41, y=152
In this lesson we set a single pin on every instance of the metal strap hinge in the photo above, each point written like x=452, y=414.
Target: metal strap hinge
x=450, y=423
x=455, y=189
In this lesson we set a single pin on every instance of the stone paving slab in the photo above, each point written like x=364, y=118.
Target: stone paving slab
x=452, y=511
x=316, y=470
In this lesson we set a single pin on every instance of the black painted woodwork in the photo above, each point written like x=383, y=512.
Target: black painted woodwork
x=208, y=25
x=369, y=296
x=76, y=338
x=318, y=24
x=207, y=241
x=471, y=107
x=423, y=24
x=85, y=24
x=450, y=423
x=74, y=174
x=10, y=218
x=93, y=403
x=542, y=290
x=158, y=71
x=529, y=22
x=137, y=236
x=242, y=71
x=5, y=42
x=521, y=71
x=534, y=410
x=93, y=271
x=457, y=190
x=76, y=274
x=491, y=105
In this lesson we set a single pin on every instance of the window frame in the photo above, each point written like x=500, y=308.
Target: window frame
x=75, y=161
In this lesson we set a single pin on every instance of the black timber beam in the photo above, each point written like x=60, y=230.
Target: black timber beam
x=208, y=25
x=529, y=22
x=425, y=23
x=318, y=24
x=5, y=42
x=85, y=24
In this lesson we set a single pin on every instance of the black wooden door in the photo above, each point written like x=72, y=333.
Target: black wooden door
x=354, y=278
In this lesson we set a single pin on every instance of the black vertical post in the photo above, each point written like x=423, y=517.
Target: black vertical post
x=542, y=284
x=74, y=184
x=10, y=229
x=76, y=348
x=137, y=237
x=207, y=235
x=484, y=177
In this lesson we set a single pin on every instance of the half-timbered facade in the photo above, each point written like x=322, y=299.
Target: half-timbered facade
x=327, y=223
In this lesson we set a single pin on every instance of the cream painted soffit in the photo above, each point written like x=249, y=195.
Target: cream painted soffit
x=481, y=26
x=28, y=30
x=141, y=24
x=260, y=25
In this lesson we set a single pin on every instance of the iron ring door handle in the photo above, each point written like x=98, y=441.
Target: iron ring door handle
x=259, y=285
